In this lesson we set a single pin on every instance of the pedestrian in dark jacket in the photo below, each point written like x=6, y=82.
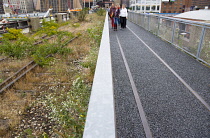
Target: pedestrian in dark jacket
x=112, y=14
x=118, y=7
x=116, y=17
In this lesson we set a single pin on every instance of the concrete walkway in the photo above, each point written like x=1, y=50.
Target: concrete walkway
x=172, y=90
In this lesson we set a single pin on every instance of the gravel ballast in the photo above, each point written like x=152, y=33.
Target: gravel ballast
x=171, y=109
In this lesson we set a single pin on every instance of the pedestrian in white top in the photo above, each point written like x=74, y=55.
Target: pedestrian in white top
x=123, y=16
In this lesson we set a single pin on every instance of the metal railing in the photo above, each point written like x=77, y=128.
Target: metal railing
x=193, y=37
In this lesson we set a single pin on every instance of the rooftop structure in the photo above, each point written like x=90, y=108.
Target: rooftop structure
x=195, y=15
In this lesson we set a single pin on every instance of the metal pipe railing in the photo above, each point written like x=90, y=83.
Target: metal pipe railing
x=193, y=37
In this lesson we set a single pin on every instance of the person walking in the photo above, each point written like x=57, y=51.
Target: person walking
x=123, y=16
x=118, y=7
x=112, y=14
x=116, y=17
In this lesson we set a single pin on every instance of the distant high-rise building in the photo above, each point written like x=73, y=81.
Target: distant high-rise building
x=58, y=5
x=18, y=6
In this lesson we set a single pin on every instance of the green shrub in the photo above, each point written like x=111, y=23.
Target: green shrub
x=61, y=35
x=64, y=23
x=48, y=27
x=90, y=61
x=42, y=51
x=101, y=12
x=95, y=33
x=82, y=14
x=20, y=48
x=13, y=34
x=49, y=24
x=76, y=25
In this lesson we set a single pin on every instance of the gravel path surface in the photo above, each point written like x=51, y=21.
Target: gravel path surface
x=171, y=109
x=128, y=120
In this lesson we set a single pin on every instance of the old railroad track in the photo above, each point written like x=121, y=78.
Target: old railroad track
x=10, y=81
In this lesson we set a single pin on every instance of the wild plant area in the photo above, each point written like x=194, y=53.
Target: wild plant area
x=52, y=100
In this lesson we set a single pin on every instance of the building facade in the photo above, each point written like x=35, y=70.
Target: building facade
x=180, y=6
x=58, y=5
x=88, y=3
x=26, y=6
x=177, y=6
x=1, y=7
x=18, y=6
x=199, y=4
x=146, y=6
x=126, y=2
x=37, y=5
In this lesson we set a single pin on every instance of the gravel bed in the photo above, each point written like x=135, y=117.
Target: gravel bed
x=192, y=71
x=171, y=109
x=128, y=122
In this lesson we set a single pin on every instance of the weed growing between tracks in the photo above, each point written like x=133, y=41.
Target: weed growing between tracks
x=9, y=67
x=55, y=98
x=19, y=46
x=69, y=108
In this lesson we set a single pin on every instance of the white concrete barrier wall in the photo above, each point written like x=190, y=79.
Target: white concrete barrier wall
x=100, y=121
